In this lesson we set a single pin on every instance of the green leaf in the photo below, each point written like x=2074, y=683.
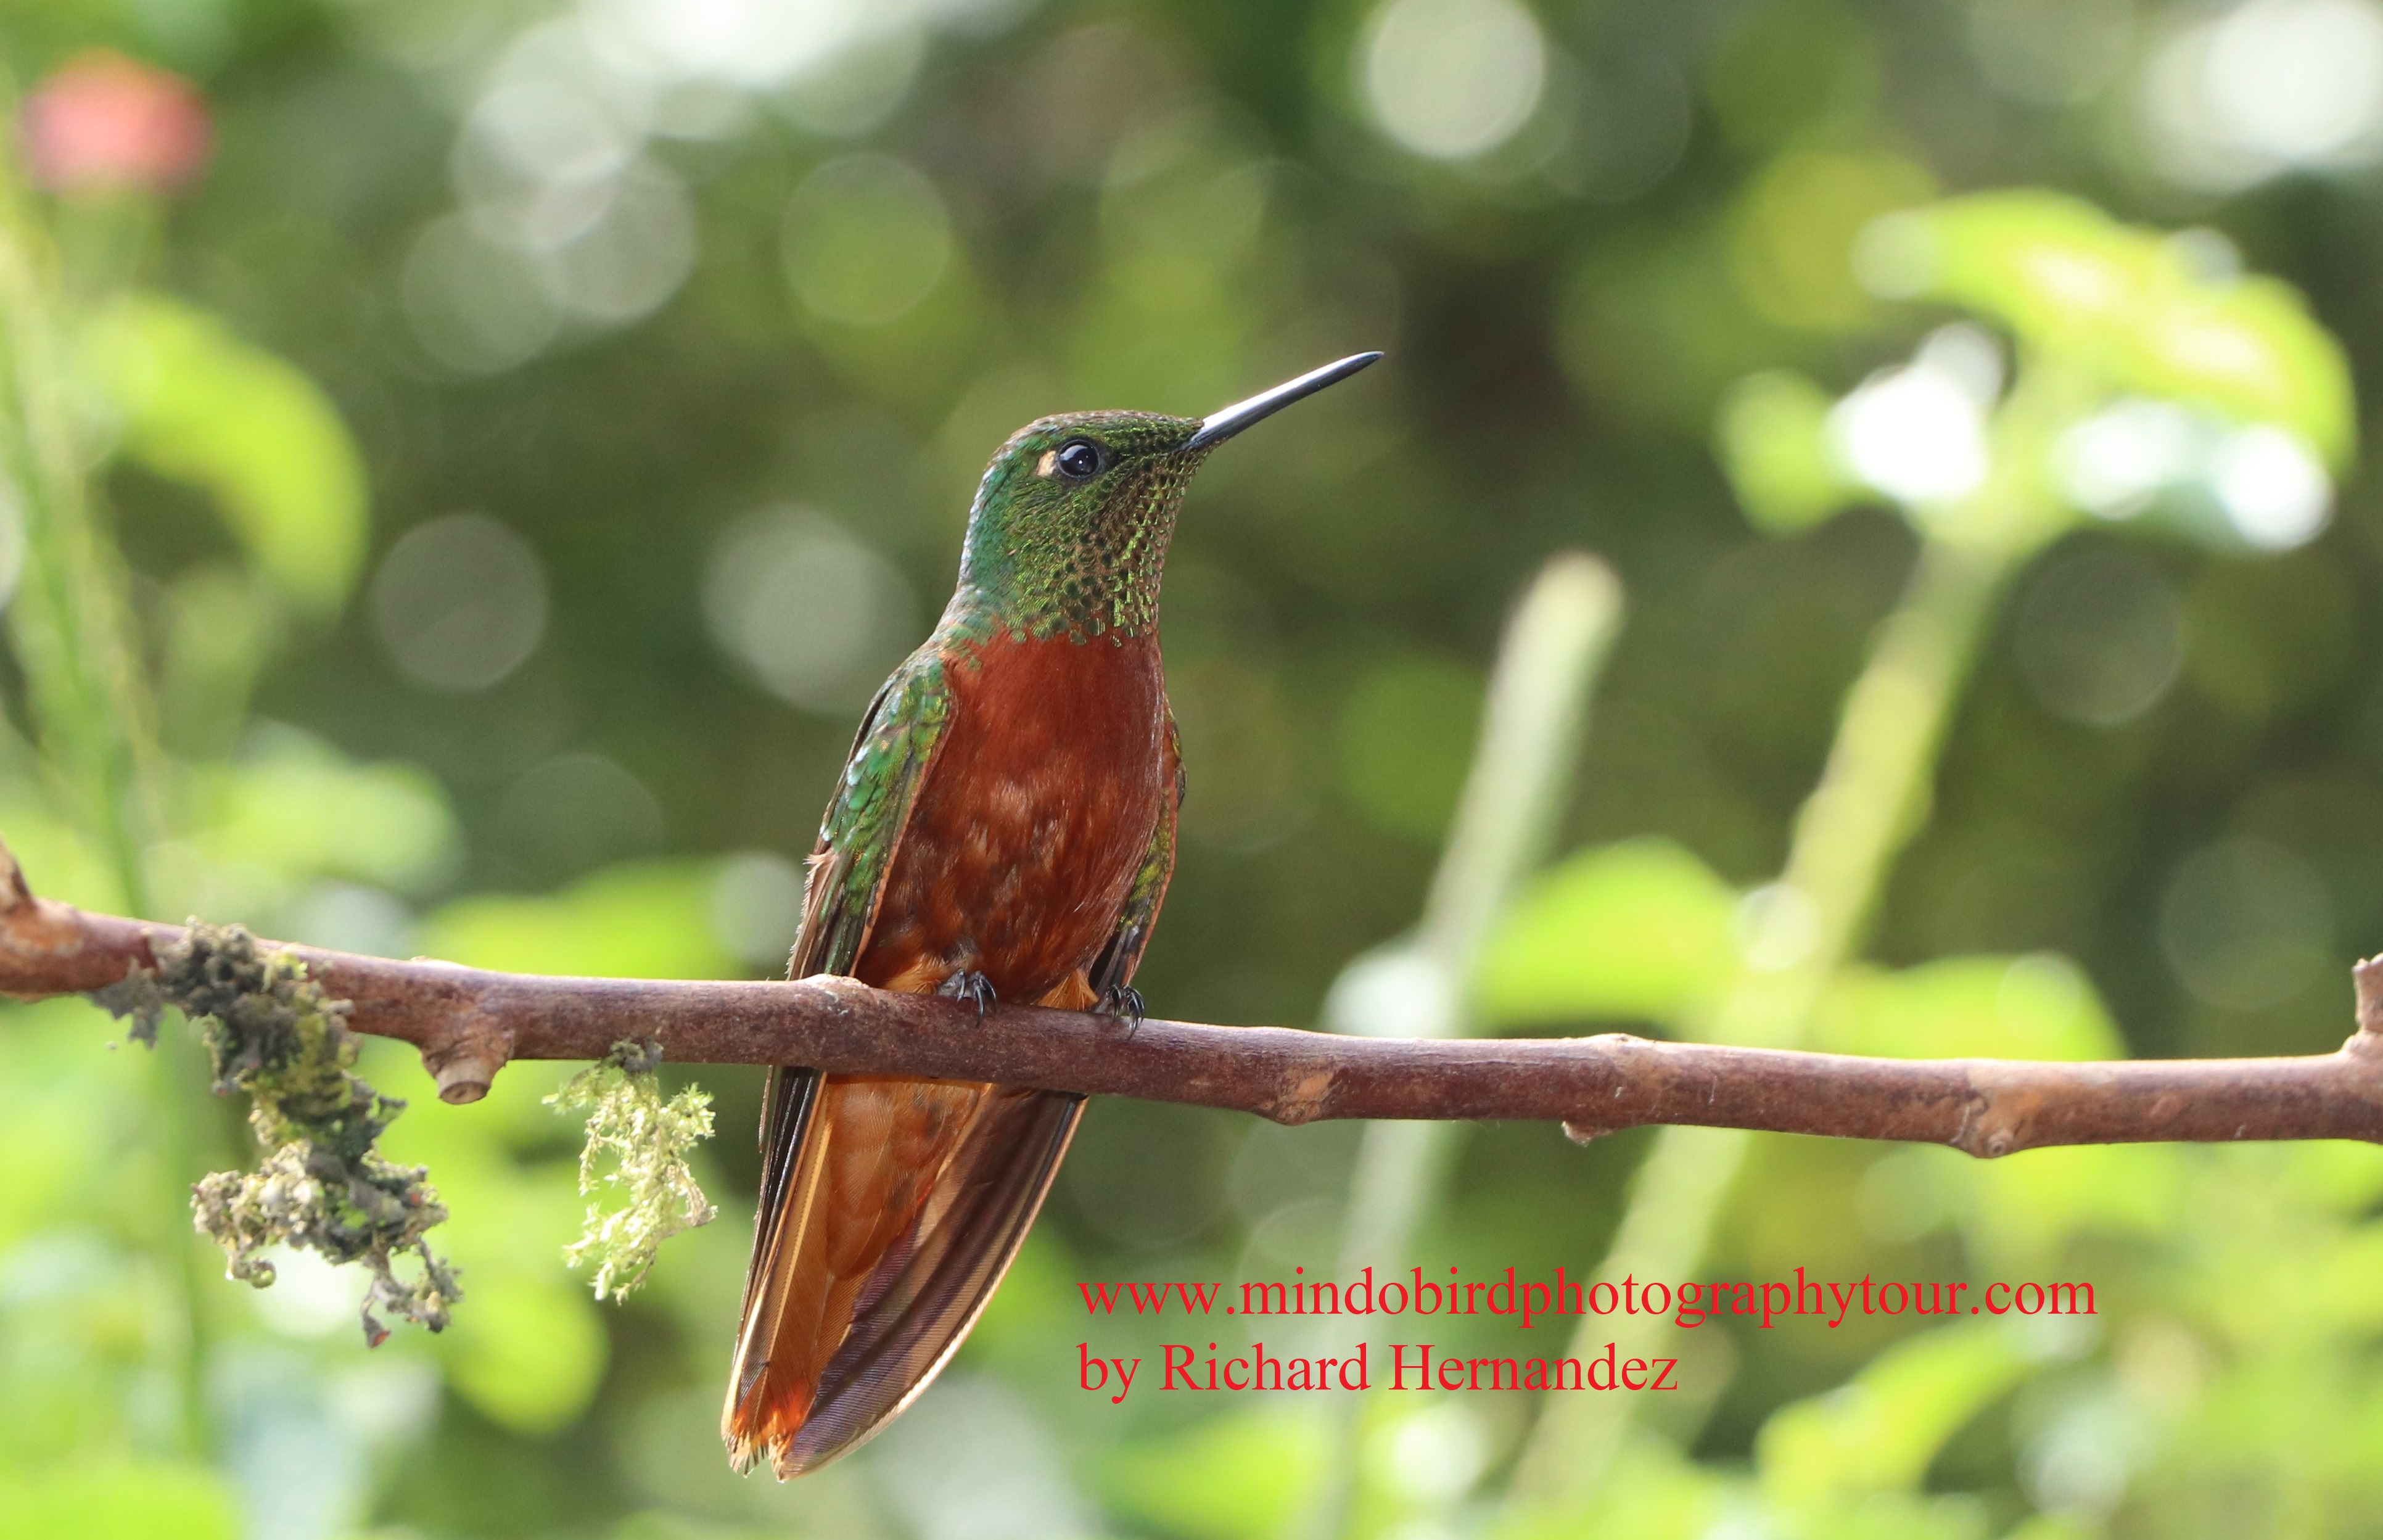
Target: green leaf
x=51, y=1134
x=2339, y=1290
x=1797, y=221
x=299, y=807
x=2054, y=1526
x=81, y=1304
x=197, y=404
x=1243, y=1475
x=2039, y=1006
x=1636, y=931
x=642, y=919
x=527, y=1352
x=151, y=1500
x=58, y=858
x=1772, y=438
x=2137, y=308
x=1879, y=1433
x=2338, y=1174
x=1651, y=1491
x=2029, y=1204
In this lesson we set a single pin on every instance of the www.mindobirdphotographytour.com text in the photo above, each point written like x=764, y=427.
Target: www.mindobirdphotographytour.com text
x=1412, y=1305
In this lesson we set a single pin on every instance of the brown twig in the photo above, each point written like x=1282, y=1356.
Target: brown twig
x=467, y=1023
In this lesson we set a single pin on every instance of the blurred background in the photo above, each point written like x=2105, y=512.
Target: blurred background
x=467, y=463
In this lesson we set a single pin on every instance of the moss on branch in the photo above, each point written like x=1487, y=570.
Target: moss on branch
x=647, y=1140
x=321, y=1185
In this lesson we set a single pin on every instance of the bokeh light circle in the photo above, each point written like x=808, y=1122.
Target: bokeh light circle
x=1451, y=79
x=865, y=239
x=460, y=602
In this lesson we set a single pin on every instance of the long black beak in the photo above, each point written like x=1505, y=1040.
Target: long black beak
x=1221, y=426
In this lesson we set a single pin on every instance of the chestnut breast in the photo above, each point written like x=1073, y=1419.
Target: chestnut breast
x=1034, y=817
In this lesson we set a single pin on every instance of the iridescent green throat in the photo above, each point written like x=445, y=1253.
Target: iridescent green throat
x=1052, y=555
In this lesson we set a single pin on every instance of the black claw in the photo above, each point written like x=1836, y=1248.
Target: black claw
x=1125, y=1003
x=971, y=986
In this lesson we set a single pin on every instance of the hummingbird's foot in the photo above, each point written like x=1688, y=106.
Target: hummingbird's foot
x=1124, y=1002
x=971, y=986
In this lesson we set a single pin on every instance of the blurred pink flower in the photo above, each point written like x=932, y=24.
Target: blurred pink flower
x=104, y=121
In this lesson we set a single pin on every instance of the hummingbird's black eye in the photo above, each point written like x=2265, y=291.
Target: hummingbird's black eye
x=1080, y=460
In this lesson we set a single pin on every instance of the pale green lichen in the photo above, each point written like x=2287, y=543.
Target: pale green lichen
x=647, y=1140
x=321, y=1185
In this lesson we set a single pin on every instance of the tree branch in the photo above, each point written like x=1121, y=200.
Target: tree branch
x=467, y=1023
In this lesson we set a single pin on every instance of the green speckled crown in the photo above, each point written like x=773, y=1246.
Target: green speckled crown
x=1048, y=555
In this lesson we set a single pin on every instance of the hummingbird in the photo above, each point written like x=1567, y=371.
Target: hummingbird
x=1003, y=830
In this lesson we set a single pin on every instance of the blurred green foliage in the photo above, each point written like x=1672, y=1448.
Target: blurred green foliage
x=628, y=282
x=195, y=404
x=120, y=1502
x=1637, y=930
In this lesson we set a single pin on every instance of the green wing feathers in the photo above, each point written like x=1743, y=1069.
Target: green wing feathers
x=891, y=1206
x=890, y=755
x=1114, y=969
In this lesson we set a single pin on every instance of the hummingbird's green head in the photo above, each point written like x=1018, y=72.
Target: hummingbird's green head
x=1069, y=530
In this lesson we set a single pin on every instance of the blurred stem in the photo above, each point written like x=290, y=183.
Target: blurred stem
x=1869, y=802
x=1554, y=648
x=68, y=616
x=71, y=623
x=1871, y=798
x=1548, y=664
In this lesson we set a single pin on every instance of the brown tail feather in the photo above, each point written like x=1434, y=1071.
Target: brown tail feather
x=893, y=1207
